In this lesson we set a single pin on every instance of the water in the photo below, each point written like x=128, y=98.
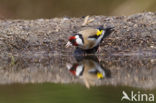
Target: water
x=82, y=79
x=67, y=93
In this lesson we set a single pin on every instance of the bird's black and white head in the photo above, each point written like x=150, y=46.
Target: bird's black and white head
x=76, y=40
x=76, y=69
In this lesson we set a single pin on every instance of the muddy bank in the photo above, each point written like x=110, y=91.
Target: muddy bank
x=132, y=33
x=33, y=51
x=131, y=71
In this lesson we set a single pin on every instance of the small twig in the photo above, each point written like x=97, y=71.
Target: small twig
x=87, y=21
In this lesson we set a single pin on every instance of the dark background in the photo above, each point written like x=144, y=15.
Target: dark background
x=33, y=9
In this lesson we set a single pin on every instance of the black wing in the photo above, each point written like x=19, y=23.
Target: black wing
x=93, y=36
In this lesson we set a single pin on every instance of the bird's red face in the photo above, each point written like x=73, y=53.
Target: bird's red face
x=72, y=39
x=76, y=69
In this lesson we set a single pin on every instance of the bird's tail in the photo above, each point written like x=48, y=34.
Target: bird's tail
x=107, y=30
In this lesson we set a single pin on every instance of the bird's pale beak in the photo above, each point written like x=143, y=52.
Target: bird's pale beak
x=68, y=44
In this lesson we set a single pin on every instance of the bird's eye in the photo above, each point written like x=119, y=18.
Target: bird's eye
x=72, y=41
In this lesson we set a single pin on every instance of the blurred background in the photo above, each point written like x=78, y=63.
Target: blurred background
x=34, y=9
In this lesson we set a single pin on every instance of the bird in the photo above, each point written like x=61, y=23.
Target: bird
x=88, y=40
x=89, y=69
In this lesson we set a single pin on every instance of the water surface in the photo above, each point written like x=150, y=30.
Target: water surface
x=81, y=79
x=67, y=93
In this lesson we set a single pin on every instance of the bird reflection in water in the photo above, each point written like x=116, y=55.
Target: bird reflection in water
x=89, y=69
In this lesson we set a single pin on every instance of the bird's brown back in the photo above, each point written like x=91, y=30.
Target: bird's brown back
x=86, y=33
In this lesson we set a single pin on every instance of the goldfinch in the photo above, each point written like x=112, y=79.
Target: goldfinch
x=89, y=39
x=89, y=69
x=88, y=65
